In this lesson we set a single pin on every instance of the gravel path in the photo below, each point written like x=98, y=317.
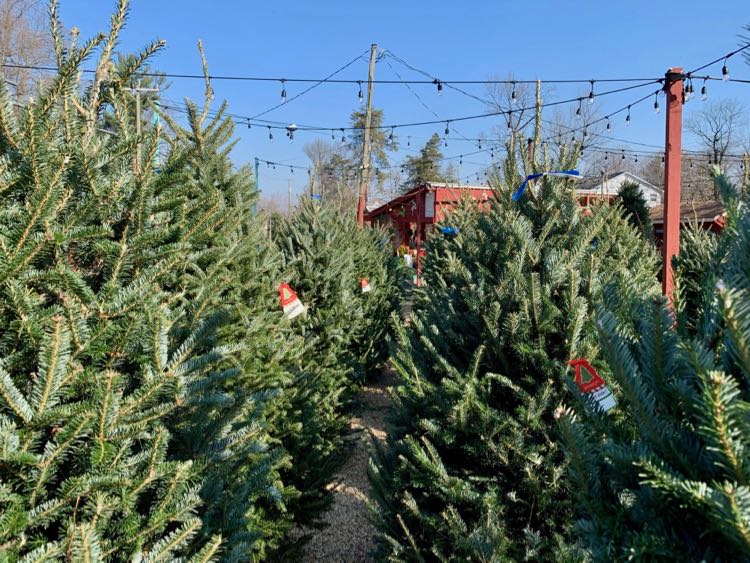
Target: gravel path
x=349, y=535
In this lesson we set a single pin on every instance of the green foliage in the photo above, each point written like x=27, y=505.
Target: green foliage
x=664, y=476
x=154, y=402
x=635, y=207
x=474, y=469
x=425, y=167
x=343, y=333
x=695, y=271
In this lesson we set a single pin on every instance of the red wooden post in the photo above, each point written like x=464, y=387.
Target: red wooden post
x=672, y=169
x=420, y=195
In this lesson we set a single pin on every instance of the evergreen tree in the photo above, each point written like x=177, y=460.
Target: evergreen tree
x=426, y=166
x=129, y=429
x=664, y=477
x=635, y=207
x=90, y=372
x=474, y=469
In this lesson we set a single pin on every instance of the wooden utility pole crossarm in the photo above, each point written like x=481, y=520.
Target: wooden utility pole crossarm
x=365, y=176
x=672, y=167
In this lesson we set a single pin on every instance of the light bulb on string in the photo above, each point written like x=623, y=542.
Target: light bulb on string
x=656, y=103
x=270, y=134
x=408, y=141
x=510, y=121
x=248, y=124
x=343, y=139
x=662, y=160
x=606, y=155
x=290, y=129
x=627, y=118
x=439, y=85
x=636, y=159
x=291, y=169
x=513, y=97
x=360, y=97
x=283, y=91
x=273, y=165
x=492, y=153
x=580, y=106
x=704, y=90
x=623, y=155
x=447, y=129
x=609, y=125
x=479, y=144
x=461, y=160
x=725, y=71
x=390, y=137
x=333, y=136
x=689, y=91
x=591, y=93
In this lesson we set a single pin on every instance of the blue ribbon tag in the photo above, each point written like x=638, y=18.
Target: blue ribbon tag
x=560, y=173
x=449, y=230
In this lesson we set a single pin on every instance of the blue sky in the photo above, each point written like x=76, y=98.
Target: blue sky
x=468, y=40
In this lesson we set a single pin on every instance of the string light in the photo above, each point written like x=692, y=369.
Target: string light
x=248, y=124
x=343, y=139
x=408, y=141
x=725, y=71
x=283, y=90
x=270, y=134
x=333, y=136
x=461, y=160
x=623, y=154
x=606, y=156
x=656, y=103
x=591, y=93
x=447, y=129
x=580, y=105
x=609, y=126
x=704, y=90
x=439, y=85
x=689, y=91
x=390, y=137
x=290, y=129
x=636, y=159
x=662, y=160
x=513, y=97
x=360, y=97
x=627, y=118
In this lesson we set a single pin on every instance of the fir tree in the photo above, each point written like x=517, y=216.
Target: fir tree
x=474, y=469
x=635, y=207
x=426, y=166
x=325, y=256
x=664, y=477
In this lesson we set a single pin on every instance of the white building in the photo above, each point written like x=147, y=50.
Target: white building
x=607, y=186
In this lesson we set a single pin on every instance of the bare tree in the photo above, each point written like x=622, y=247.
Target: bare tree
x=24, y=41
x=719, y=128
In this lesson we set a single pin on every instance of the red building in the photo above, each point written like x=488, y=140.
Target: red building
x=708, y=215
x=415, y=213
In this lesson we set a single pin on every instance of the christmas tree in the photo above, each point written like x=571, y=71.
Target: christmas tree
x=126, y=432
x=664, y=476
x=326, y=258
x=474, y=469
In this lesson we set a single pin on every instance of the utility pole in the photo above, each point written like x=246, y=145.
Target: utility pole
x=672, y=170
x=138, y=109
x=366, y=148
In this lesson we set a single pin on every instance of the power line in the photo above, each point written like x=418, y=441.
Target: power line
x=306, y=90
x=337, y=80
